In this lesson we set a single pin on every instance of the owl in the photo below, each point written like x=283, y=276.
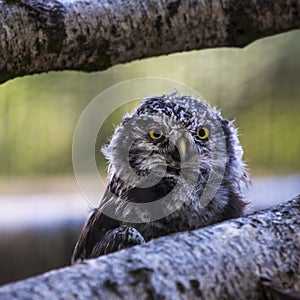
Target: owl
x=174, y=165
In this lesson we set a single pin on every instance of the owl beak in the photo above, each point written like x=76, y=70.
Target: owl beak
x=181, y=144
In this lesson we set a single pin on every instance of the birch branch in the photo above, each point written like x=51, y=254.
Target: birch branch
x=39, y=36
x=223, y=261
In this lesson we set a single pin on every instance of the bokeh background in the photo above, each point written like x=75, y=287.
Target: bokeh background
x=41, y=206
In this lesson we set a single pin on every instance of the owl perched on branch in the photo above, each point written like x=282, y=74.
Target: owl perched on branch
x=174, y=164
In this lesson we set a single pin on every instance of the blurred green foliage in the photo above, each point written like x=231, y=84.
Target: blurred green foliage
x=258, y=86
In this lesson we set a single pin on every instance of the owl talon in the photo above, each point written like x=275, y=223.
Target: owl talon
x=116, y=239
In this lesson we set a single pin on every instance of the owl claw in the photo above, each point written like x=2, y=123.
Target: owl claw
x=117, y=239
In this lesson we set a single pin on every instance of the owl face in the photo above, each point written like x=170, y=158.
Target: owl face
x=170, y=137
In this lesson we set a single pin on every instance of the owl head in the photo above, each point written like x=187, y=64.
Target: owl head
x=175, y=143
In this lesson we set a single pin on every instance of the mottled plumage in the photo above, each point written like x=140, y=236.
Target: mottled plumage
x=177, y=151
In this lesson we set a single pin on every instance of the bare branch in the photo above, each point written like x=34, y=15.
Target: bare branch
x=223, y=261
x=89, y=35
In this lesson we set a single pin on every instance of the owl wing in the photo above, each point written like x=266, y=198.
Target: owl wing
x=93, y=231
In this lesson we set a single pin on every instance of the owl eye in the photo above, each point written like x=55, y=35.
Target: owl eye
x=155, y=134
x=202, y=133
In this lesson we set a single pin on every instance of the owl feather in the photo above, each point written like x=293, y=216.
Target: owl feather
x=174, y=164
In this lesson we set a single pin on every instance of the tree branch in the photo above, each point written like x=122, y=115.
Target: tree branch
x=223, y=261
x=89, y=35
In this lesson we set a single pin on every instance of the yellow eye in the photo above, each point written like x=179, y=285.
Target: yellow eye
x=155, y=134
x=202, y=133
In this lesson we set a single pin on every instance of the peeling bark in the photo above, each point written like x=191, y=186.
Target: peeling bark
x=89, y=35
x=230, y=260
